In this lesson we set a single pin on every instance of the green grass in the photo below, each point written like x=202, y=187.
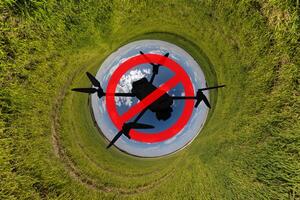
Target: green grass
x=249, y=148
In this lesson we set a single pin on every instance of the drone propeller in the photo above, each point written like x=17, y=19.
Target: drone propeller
x=95, y=83
x=85, y=90
x=200, y=96
x=147, y=59
x=155, y=66
x=126, y=129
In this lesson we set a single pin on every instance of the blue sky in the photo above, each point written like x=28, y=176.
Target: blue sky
x=187, y=134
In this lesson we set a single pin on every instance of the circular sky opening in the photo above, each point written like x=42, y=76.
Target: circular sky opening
x=145, y=149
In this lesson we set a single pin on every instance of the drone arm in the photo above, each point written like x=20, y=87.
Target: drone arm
x=152, y=77
x=183, y=97
x=120, y=94
x=154, y=66
x=199, y=97
x=140, y=115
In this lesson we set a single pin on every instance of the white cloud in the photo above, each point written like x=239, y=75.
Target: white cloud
x=125, y=85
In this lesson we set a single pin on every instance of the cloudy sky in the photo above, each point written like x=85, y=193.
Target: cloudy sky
x=187, y=134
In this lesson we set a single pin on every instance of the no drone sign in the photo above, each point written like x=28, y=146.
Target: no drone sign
x=180, y=76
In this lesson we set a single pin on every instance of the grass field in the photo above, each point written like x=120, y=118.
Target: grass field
x=249, y=148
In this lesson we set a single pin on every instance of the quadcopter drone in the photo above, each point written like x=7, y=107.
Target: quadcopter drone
x=141, y=89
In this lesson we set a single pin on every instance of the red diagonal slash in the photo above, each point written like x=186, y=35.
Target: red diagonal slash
x=172, y=82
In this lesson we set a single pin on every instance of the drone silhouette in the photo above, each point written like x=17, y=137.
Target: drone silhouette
x=141, y=89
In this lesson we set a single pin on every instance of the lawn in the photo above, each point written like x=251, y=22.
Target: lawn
x=248, y=149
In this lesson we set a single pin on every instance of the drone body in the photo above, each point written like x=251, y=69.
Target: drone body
x=141, y=89
x=161, y=107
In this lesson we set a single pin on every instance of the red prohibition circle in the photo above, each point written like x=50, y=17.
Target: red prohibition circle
x=180, y=76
